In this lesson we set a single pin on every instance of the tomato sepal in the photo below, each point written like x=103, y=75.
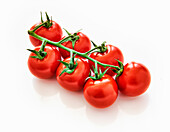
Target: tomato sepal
x=41, y=53
x=99, y=75
x=48, y=23
x=73, y=37
x=71, y=66
x=102, y=48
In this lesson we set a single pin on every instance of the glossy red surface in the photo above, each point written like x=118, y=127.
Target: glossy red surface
x=45, y=68
x=82, y=45
x=107, y=57
x=74, y=81
x=54, y=33
x=134, y=80
x=101, y=93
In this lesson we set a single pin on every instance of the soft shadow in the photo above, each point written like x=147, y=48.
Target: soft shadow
x=45, y=87
x=104, y=116
x=133, y=105
x=71, y=99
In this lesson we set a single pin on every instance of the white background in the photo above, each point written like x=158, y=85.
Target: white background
x=140, y=28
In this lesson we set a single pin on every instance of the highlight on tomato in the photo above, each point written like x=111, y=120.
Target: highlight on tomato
x=42, y=62
x=134, y=80
x=71, y=74
x=50, y=30
x=107, y=54
x=79, y=42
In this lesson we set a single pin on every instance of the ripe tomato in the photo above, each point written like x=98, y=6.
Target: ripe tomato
x=45, y=68
x=134, y=80
x=53, y=33
x=101, y=93
x=82, y=45
x=74, y=81
x=109, y=57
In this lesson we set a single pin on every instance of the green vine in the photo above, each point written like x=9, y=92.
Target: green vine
x=73, y=38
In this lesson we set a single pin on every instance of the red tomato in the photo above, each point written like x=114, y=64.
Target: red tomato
x=53, y=33
x=45, y=68
x=134, y=80
x=74, y=81
x=107, y=57
x=101, y=93
x=82, y=45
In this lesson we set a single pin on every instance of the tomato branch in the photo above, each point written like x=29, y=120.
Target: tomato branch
x=58, y=44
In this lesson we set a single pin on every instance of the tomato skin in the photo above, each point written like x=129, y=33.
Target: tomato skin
x=101, y=93
x=53, y=33
x=45, y=68
x=107, y=57
x=134, y=80
x=74, y=81
x=82, y=45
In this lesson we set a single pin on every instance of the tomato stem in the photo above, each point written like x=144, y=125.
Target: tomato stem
x=44, y=42
x=58, y=44
x=96, y=71
x=71, y=64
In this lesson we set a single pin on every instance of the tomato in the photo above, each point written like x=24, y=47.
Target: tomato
x=101, y=93
x=74, y=81
x=134, y=80
x=53, y=33
x=82, y=45
x=108, y=57
x=45, y=68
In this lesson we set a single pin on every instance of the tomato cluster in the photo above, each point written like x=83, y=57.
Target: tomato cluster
x=101, y=86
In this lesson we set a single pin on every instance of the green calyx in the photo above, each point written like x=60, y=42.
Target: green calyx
x=48, y=22
x=97, y=75
x=120, y=71
x=41, y=53
x=73, y=37
x=102, y=48
x=71, y=66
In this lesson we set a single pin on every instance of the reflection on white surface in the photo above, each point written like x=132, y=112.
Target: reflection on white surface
x=45, y=87
x=102, y=116
x=133, y=105
x=50, y=87
x=75, y=100
x=71, y=99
